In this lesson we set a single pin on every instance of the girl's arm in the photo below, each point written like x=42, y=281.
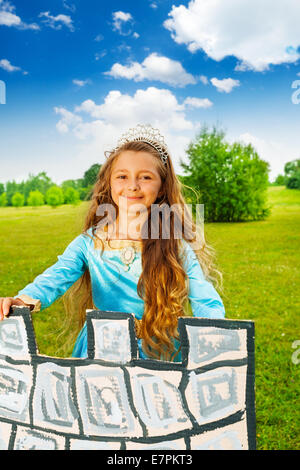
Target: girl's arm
x=204, y=299
x=56, y=280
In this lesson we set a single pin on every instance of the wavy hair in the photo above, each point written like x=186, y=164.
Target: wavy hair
x=163, y=284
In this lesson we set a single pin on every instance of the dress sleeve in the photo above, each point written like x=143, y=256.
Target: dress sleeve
x=56, y=280
x=204, y=299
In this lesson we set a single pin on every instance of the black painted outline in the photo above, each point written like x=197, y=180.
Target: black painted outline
x=150, y=364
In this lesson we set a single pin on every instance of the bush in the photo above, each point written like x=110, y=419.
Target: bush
x=292, y=174
x=54, y=196
x=18, y=200
x=230, y=179
x=3, y=200
x=71, y=196
x=35, y=199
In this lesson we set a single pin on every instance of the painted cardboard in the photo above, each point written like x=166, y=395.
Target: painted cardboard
x=113, y=400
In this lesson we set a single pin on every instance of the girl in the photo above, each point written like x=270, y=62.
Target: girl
x=128, y=263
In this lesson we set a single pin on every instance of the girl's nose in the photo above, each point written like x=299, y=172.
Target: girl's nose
x=133, y=184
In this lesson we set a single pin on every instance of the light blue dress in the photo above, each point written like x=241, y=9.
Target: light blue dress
x=114, y=288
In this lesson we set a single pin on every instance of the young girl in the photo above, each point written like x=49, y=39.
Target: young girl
x=128, y=263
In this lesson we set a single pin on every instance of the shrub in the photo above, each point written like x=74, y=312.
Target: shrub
x=18, y=200
x=35, y=199
x=54, y=196
x=230, y=179
x=3, y=200
x=71, y=196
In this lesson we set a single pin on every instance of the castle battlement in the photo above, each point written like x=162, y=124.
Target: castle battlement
x=113, y=400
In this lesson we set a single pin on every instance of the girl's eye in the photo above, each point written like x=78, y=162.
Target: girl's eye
x=146, y=177
x=121, y=177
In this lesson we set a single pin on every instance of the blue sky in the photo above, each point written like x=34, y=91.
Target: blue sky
x=79, y=73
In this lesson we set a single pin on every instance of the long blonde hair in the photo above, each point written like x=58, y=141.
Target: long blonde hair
x=163, y=281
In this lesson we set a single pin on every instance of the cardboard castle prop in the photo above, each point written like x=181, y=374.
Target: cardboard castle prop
x=112, y=400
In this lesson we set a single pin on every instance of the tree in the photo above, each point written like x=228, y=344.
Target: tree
x=40, y=182
x=71, y=196
x=18, y=200
x=54, y=196
x=35, y=199
x=3, y=200
x=230, y=179
x=2, y=188
x=292, y=174
x=279, y=181
x=90, y=176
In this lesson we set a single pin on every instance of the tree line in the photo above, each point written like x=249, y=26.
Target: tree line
x=229, y=179
x=39, y=189
x=291, y=177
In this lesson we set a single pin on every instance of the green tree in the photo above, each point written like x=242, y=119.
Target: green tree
x=2, y=188
x=292, y=174
x=40, y=182
x=3, y=200
x=90, y=176
x=35, y=199
x=230, y=179
x=279, y=180
x=18, y=200
x=54, y=196
x=71, y=196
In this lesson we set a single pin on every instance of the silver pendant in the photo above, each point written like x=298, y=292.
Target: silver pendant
x=127, y=256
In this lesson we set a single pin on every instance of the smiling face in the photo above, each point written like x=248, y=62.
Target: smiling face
x=135, y=179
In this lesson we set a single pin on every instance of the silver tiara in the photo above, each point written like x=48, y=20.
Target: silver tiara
x=146, y=133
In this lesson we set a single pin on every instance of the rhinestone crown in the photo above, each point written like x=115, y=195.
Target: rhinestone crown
x=146, y=133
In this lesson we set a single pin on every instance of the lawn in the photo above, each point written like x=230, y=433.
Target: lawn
x=260, y=264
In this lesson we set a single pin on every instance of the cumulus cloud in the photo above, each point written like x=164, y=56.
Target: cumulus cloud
x=8, y=67
x=258, y=34
x=8, y=17
x=193, y=102
x=99, y=125
x=154, y=67
x=226, y=85
x=122, y=22
x=57, y=22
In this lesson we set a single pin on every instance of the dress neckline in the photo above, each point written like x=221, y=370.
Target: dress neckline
x=113, y=243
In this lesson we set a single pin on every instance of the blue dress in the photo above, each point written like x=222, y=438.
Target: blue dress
x=113, y=287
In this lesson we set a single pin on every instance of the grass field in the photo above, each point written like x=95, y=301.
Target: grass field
x=260, y=264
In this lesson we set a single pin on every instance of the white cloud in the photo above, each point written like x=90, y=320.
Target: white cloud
x=203, y=79
x=122, y=22
x=193, y=102
x=226, y=85
x=9, y=18
x=56, y=22
x=6, y=65
x=257, y=33
x=154, y=67
x=81, y=83
x=99, y=126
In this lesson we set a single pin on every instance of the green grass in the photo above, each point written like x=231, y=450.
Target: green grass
x=260, y=264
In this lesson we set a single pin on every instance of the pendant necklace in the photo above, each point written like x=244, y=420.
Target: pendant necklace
x=127, y=256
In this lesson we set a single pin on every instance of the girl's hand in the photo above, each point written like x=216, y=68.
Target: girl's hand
x=6, y=303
